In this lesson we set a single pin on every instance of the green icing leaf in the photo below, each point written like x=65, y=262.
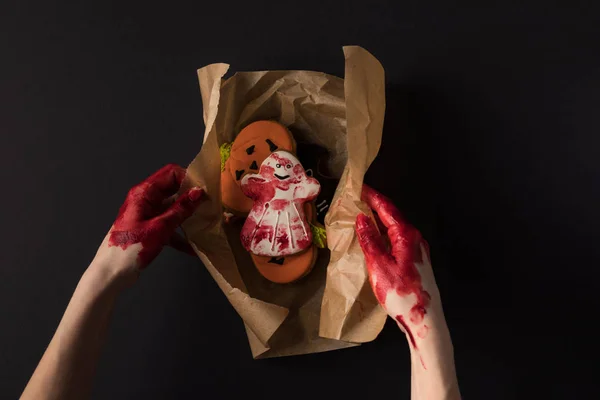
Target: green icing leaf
x=319, y=235
x=225, y=151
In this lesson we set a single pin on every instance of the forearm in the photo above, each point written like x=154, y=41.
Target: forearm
x=66, y=370
x=146, y=222
x=432, y=364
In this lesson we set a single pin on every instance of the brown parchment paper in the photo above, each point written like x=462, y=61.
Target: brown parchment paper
x=333, y=307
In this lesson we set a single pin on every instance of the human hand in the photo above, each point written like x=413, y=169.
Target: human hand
x=402, y=278
x=146, y=222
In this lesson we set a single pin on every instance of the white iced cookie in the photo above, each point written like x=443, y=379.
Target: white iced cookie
x=277, y=225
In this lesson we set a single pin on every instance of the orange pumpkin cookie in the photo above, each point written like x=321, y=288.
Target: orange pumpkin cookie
x=252, y=145
x=286, y=269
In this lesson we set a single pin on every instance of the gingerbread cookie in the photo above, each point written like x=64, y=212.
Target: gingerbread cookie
x=286, y=269
x=252, y=145
x=277, y=225
x=290, y=268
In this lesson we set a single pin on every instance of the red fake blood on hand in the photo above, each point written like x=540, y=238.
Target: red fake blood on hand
x=401, y=321
x=411, y=338
x=395, y=270
x=422, y=332
x=145, y=218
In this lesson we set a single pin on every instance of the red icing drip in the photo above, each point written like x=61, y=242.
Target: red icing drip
x=280, y=159
x=279, y=204
x=258, y=188
x=303, y=243
x=263, y=232
x=283, y=241
x=251, y=224
x=143, y=218
x=298, y=169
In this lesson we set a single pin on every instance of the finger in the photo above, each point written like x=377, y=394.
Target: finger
x=401, y=234
x=427, y=249
x=371, y=241
x=383, y=206
x=160, y=206
x=382, y=228
x=164, y=182
x=168, y=202
x=404, y=238
x=178, y=242
x=182, y=208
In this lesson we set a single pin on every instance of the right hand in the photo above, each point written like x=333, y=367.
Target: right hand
x=402, y=278
x=147, y=221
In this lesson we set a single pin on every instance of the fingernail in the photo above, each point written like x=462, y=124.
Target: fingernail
x=196, y=193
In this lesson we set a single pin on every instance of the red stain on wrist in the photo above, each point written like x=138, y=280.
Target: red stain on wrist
x=146, y=217
x=411, y=337
x=401, y=321
x=422, y=332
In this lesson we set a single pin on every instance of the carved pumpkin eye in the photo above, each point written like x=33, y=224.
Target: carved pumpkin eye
x=288, y=166
x=278, y=166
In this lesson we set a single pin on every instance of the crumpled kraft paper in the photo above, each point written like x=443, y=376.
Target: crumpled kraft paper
x=334, y=306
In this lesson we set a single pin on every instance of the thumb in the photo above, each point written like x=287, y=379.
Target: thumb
x=370, y=239
x=183, y=207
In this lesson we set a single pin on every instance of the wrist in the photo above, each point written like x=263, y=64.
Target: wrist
x=433, y=361
x=433, y=334
x=433, y=355
x=107, y=274
x=113, y=266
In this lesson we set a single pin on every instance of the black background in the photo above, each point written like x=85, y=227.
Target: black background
x=490, y=147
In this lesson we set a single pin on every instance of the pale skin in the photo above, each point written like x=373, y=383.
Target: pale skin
x=432, y=354
x=147, y=221
x=151, y=214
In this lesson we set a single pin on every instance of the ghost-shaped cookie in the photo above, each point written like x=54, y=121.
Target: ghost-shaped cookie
x=277, y=226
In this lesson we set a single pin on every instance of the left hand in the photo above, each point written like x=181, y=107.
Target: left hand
x=402, y=277
x=146, y=222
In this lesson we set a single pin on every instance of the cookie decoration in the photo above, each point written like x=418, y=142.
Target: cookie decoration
x=276, y=225
x=251, y=146
x=290, y=268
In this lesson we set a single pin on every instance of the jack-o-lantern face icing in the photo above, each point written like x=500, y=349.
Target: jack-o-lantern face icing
x=252, y=145
x=277, y=225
